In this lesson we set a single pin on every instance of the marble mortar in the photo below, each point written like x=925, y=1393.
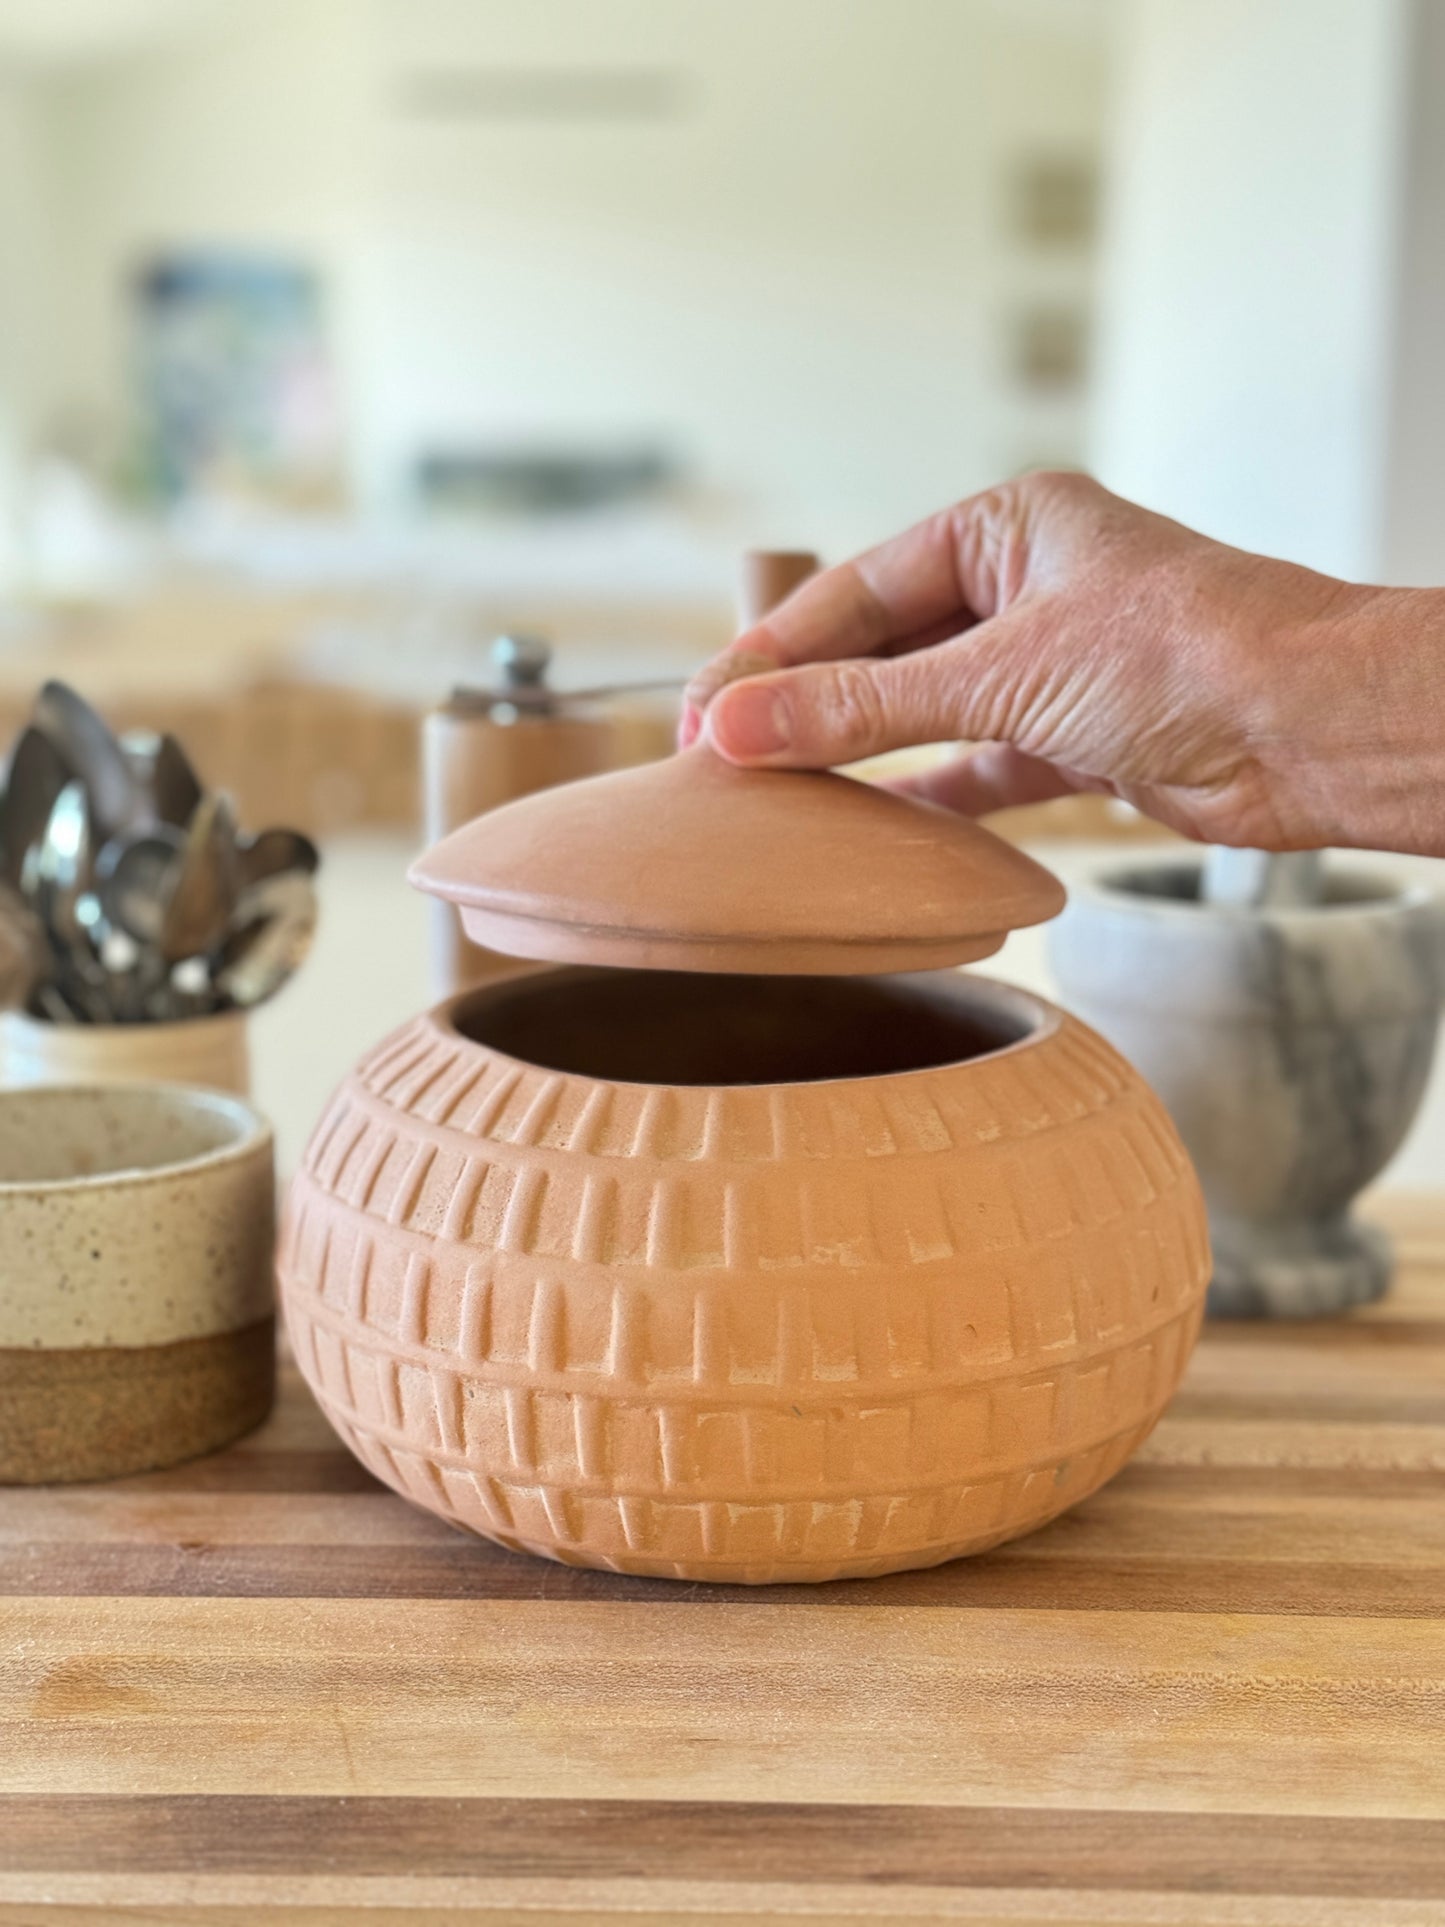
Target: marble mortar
x=1292, y=1047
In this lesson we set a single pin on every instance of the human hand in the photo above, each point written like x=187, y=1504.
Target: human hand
x=1086, y=644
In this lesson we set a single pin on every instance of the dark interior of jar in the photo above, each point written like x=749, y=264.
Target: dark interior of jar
x=683, y=1027
x=1180, y=883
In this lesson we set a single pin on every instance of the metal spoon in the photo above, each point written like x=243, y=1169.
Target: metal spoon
x=199, y=910
x=275, y=924
x=117, y=799
x=58, y=866
x=38, y=774
x=50, y=1002
x=166, y=772
x=56, y=876
x=137, y=879
x=23, y=956
x=275, y=853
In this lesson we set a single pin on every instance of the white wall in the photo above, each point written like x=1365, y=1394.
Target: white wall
x=1247, y=291
x=241, y=128
x=25, y=292
x=802, y=284
x=802, y=281
x=1414, y=507
x=22, y=293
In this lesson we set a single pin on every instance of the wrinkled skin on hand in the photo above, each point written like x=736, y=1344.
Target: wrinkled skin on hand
x=1082, y=643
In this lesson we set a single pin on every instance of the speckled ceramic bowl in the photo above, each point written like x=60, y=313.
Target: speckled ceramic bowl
x=137, y=1316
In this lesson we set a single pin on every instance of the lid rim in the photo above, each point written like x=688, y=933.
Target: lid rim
x=696, y=863
x=513, y=907
x=743, y=957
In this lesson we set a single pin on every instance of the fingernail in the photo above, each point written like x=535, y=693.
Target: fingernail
x=749, y=722
x=689, y=724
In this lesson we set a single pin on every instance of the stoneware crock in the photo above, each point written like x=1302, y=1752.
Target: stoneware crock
x=768, y=1251
x=137, y=1320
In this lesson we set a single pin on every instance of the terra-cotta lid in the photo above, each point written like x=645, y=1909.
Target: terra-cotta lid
x=693, y=864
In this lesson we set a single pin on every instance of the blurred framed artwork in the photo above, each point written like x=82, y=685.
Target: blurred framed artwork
x=235, y=387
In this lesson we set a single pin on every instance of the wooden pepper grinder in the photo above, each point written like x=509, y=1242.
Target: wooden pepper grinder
x=768, y=577
x=482, y=747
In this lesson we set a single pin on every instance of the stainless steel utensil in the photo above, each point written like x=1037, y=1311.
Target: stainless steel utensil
x=273, y=853
x=126, y=892
x=61, y=866
x=94, y=757
x=50, y=1002
x=24, y=954
x=138, y=878
x=173, y=787
x=38, y=773
x=275, y=925
x=56, y=877
x=199, y=909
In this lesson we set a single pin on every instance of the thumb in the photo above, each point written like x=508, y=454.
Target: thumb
x=826, y=713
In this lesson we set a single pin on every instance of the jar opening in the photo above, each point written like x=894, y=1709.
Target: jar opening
x=690, y=1028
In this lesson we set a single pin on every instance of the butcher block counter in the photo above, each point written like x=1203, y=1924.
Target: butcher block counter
x=260, y=1688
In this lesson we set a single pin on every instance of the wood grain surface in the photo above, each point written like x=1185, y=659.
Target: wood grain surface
x=261, y=1689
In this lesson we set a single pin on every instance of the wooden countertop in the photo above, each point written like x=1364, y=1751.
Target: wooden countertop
x=261, y=1688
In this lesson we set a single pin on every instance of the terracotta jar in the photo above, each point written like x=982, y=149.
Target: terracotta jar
x=751, y=1244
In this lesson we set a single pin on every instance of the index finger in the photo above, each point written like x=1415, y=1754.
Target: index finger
x=933, y=581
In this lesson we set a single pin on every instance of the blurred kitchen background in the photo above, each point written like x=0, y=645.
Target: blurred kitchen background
x=339, y=336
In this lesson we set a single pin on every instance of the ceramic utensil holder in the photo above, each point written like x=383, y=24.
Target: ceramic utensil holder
x=137, y=1321
x=1291, y=1047
x=211, y=1052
